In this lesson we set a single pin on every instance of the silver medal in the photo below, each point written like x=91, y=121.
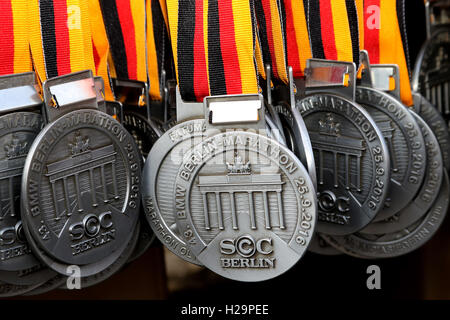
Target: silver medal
x=405, y=144
x=427, y=194
x=245, y=205
x=352, y=162
x=81, y=184
x=400, y=242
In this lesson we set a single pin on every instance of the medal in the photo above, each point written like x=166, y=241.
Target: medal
x=397, y=243
x=351, y=155
x=245, y=203
x=427, y=194
x=82, y=175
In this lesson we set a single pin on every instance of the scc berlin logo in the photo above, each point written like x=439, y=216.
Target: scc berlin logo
x=246, y=246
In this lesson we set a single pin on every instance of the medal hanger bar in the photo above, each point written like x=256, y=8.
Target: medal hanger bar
x=18, y=92
x=66, y=93
x=330, y=76
x=132, y=92
x=386, y=77
x=228, y=110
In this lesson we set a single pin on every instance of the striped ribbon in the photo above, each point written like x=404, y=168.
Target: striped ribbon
x=125, y=24
x=381, y=36
x=297, y=39
x=213, y=47
x=60, y=37
x=271, y=29
x=14, y=47
x=333, y=30
x=159, y=53
x=101, y=48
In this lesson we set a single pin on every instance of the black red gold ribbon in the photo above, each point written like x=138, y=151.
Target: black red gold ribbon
x=271, y=26
x=333, y=30
x=159, y=51
x=381, y=36
x=125, y=26
x=213, y=47
x=60, y=37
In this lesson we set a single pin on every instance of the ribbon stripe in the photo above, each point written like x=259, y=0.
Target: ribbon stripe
x=125, y=28
x=213, y=47
x=60, y=37
x=7, y=39
x=333, y=30
x=384, y=41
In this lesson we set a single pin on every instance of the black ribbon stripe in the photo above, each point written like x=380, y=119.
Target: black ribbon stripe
x=115, y=37
x=47, y=17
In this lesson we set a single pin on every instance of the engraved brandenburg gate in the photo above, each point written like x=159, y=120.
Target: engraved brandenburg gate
x=11, y=169
x=329, y=141
x=86, y=163
x=240, y=179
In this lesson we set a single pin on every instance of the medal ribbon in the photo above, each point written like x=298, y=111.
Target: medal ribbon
x=60, y=37
x=333, y=30
x=383, y=40
x=158, y=45
x=213, y=47
x=100, y=46
x=14, y=48
x=271, y=26
x=125, y=27
x=297, y=38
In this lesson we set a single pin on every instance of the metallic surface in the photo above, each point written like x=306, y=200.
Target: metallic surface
x=62, y=268
x=405, y=143
x=17, y=133
x=245, y=205
x=397, y=243
x=81, y=187
x=427, y=194
x=144, y=131
x=158, y=181
x=352, y=162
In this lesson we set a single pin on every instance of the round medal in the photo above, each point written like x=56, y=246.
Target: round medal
x=427, y=194
x=245, y=205
x=405, y=143
x=81, y=187
x=400, y=242
x=352, y=162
